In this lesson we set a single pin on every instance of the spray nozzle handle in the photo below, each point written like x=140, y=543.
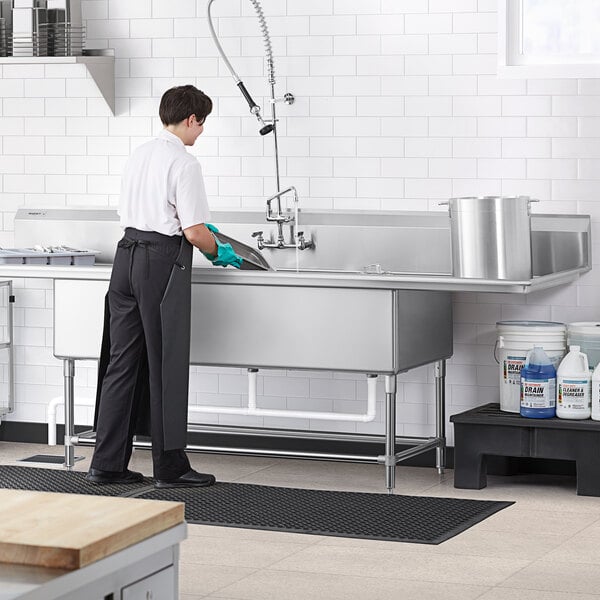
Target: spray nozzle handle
x=248, y=97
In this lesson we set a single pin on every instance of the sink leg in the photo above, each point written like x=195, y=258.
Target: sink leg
x=390, y=432
x=440, y=415
x=69, y=377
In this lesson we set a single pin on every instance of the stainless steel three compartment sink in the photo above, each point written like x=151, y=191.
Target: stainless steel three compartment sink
x=373, y=296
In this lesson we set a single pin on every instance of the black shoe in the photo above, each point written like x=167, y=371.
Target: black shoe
x=126, y=476
x=190, y=479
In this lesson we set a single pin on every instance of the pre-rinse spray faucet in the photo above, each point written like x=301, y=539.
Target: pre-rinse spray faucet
x=268, y=126
x=280, y=219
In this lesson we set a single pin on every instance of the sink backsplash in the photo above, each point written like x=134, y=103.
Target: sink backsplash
x=398, y=242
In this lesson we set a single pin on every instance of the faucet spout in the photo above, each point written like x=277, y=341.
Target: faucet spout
x=282, y=218
x=278, y=216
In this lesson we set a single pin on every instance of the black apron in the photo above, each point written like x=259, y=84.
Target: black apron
x=175, y=323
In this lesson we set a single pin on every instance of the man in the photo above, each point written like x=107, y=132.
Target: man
x=144, y=369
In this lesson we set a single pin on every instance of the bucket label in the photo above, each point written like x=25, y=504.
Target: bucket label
x=512, y=369
x=574, y=393
x=538, y=393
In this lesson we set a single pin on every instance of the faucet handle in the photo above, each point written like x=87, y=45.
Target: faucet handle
x=260, y=242
x=302, y=243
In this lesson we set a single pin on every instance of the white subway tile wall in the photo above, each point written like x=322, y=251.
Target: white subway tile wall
x=398, y=107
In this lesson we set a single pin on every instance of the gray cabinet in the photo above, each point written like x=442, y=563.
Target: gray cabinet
x=159, y=586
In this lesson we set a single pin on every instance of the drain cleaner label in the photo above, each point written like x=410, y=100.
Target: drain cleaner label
x=574, y=393
x=538, y=393
x=512, y=369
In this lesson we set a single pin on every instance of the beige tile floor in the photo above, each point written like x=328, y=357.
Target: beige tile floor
x=544, y=547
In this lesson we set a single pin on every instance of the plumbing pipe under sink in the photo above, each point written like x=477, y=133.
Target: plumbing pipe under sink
x=251, y=409
x=51, y=414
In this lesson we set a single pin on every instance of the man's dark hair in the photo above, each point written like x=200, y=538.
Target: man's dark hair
x=180, y=102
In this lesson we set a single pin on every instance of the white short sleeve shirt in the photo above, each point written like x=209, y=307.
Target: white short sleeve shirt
x=162, y=188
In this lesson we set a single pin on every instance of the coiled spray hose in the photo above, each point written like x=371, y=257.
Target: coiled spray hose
x=254, y=108
x=267, y=40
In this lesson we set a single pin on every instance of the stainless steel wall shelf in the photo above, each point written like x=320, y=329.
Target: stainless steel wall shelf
x=101, y=68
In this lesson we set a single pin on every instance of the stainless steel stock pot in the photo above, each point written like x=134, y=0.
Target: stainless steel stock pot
x=491, y=237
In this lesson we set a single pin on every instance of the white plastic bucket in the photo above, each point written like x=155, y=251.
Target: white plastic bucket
x=515, y=340
x=586, y=335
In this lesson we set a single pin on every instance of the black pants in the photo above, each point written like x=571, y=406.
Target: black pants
x=141, y=271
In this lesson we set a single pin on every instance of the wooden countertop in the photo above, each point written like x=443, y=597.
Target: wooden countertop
x=69, y=531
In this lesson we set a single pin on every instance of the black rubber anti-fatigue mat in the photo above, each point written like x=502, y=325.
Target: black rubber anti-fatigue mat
x=60, y=480
x=44, y=458
x=417, y=519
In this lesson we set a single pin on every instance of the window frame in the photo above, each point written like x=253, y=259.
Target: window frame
x=511, y=63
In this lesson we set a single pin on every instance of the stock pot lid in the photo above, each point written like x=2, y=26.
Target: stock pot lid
x=489, y=202
x=482, y=199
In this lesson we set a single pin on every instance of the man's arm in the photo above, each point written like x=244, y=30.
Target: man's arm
x=202, y=238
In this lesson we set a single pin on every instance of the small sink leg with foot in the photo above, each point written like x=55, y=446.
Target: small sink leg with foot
x=69, y=383
x=390, y=433
x=440, y=415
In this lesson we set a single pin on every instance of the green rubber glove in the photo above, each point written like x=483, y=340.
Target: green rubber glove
x=212, y=229
x=225, y=254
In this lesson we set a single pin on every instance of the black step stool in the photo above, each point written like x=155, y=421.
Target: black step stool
x=486, y=430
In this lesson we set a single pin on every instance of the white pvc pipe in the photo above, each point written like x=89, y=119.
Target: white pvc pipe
x=252, y=373
x=51, y=414
x=252, y=409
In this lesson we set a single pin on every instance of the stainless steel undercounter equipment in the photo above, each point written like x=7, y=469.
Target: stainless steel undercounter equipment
x=373, y=296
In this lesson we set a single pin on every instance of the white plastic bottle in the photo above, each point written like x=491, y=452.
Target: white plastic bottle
x=574, y=386
x=596, y=394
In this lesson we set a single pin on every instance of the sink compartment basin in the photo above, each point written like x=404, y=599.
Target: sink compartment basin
x=331, y=329
x=319, y=328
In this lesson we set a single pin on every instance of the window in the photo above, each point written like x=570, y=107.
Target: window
x=549, y=38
